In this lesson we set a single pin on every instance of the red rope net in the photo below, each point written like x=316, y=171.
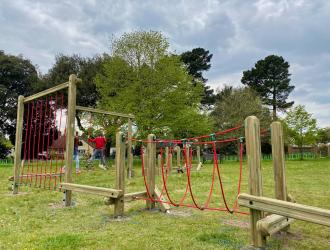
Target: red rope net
x=187, y=147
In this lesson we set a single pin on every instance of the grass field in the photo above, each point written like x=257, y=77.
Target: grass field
x=36, y=218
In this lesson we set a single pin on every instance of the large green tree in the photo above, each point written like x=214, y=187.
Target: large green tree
x=159, y=91
x=17, y=77
x=198, y=61
x=300, y=127
x=271, y=79
x=233, y=106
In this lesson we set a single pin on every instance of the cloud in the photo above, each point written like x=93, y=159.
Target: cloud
x=238, y=33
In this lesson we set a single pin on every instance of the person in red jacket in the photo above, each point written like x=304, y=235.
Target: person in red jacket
x=100, y=142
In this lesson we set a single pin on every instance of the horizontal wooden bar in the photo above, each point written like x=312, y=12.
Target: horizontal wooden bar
x=284, y=208
x=273, y=224
x=46, y=92
x=135, y=196
x=92, y=110
x=106, y=192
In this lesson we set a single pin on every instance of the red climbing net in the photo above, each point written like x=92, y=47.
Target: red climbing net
x=44, y=137
x=187, y=147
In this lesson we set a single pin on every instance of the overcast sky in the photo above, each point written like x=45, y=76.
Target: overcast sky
x=238, y=33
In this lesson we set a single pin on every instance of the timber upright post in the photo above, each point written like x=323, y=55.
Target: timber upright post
x=120, y=174
x=70, y=130
x=253, y=151
x=18, y=142
x=168, y=159
x=278, y=161
x=151, y=169
x=129, y=150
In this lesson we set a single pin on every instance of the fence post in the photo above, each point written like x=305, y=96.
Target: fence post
x=278, y=161
x=18, y=142
x=151, y=169
x=168, y=159
x=129, y=150
x=253, y=151
x=70, y=130
x=178, y=156
x=120, y=174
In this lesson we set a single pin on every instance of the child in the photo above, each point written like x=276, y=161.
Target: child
x=100, y=142
x=76, y=152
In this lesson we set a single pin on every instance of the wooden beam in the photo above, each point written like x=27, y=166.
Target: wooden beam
x=129, y=149
x=120, y=174
x=253, y=151
x=106, y=192
x=46, y=92
x=164, y=207
x=151, y=169
x=70, y=133
x=135, y=196
x=285, y=208
x=278, y=161
x=100, y=111
x=272, y=224
x=18, y=142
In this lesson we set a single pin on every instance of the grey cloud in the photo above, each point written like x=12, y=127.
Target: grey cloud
x=238, y=33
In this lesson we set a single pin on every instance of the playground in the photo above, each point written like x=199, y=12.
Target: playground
x=166, y=192
x=37, y=219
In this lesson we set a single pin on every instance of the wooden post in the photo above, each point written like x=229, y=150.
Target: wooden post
x=159, y=163
x=151, y=169
x=199, y=162
x=18, y=142
x=129, y=150
x=253, y=151
x=278, y=161
x=178, y=156
x=70, y=132
x=168, y=159
x=120, y=174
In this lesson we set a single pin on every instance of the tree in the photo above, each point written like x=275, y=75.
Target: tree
x=301, y=127
x=198, y=61
x=5, y=146
x=234, y=105
x=140, y=48
x=270, y=79
x=17, y=77
x=323, y=135
x=154, y=87
x=85, y=68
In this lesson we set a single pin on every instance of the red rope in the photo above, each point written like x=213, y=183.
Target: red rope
x=34, y=138
x=29, y=150
x=188, y=177
x=43, y=139
x=38, y=150
x=240, y=172
x=59, y=139
x=48, y=139
x=53, y=139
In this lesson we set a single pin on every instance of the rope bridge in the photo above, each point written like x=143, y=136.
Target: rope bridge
x=187, y=146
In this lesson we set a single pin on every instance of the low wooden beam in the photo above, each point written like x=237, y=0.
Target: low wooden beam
x=106, y=192
x=135, y=196
x=46, y=92
x=287, y=209
x=127, y=197
x=273, y=224
x=93, y=110
x=164, y=207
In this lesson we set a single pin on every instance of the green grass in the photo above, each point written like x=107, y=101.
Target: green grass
x=35, y=219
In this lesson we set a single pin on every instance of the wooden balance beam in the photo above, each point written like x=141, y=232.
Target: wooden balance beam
x=106, y=192
x=287, y=209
